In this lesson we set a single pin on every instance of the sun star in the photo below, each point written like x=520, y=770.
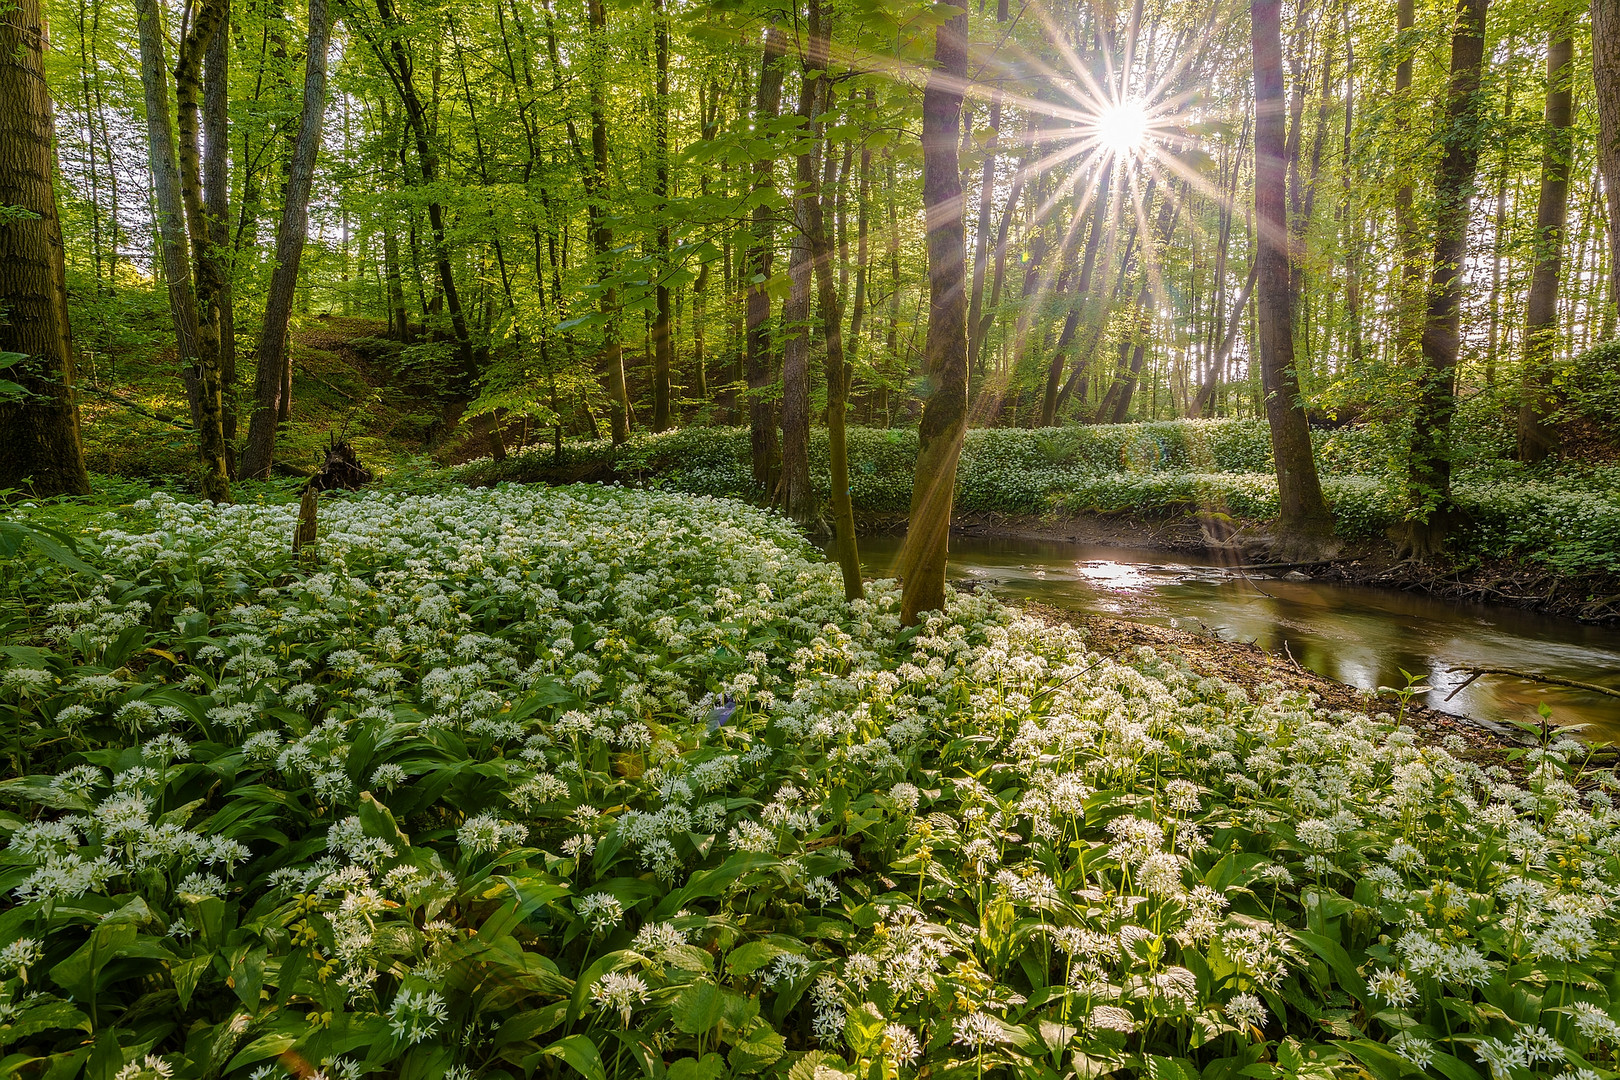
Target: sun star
x=1122, y=128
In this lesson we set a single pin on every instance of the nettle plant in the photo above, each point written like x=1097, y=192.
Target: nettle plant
x=615, y=783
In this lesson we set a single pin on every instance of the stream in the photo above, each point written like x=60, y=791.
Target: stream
x=1359, y=635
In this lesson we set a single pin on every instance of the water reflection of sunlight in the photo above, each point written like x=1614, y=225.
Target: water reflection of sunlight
x=1113, y=575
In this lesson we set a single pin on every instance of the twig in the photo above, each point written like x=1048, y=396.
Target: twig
x=1530, y=676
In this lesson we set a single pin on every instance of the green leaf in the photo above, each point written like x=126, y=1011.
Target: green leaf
x=1380, y=1060
x=698, y=1008
x=749, y=958
x=581, y=1055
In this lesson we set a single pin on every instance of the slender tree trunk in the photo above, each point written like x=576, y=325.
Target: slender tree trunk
x=397, y=61
x=1409, y=286
x=1498, y=241
x=273, y=362
x=40, y=452
x=1204, y=402
x=216, y=166
x=981, y=235
x=1606, y=77
x=1081, y=304
x=1304, y=525
x=837, y=365
x=202, y=394
x=1536, y=436
x=1432, y=513
x=662, y=343
x=601, y=230
x=756, y=271
x=922, y=559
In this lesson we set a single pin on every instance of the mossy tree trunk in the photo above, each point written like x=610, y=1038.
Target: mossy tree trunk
x=40, y=451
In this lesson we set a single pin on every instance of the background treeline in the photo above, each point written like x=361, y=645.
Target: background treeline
x=581, y=218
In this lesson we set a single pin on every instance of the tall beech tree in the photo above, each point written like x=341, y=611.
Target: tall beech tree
x=1536, y=435
x=272, y=355
x=198, y=353
x=1432, y=514
x=756, y=268
x=1606, y=79
x=40, y=452
x=922, y=559
x=1304, y=528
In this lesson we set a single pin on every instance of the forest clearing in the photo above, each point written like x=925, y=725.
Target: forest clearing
x=817, y=539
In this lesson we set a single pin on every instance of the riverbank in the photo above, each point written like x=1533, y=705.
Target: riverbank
x=1545, y=538
x=1508, y=581
x=1253, y=668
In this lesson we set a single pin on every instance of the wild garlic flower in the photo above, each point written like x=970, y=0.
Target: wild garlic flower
x=976, y=1031
x=1245, y=1009
x=416, y=1015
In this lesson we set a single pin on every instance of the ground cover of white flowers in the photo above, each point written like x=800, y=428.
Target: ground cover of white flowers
x=612, y=783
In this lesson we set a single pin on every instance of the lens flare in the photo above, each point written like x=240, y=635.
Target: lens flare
x=1122, y=128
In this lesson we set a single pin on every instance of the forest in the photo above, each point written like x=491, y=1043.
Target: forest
x=816, y=539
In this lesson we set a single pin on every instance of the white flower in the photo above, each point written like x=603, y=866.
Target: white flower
x=416, y=1015
x=619, y=993
x=601, y=911
x=900, y=1045
x=1245, y=1010
x=1392, y=988
x=976, y=1031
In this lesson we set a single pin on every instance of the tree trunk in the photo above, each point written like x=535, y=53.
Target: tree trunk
x=797, y=499
x=1304, y=525
x=216, y=182
x=1409, y=294
x=273, y=361
x=837, y=364
x=1079, y=304
x=397, y=61
x=921, y=564
x=756, y=271
x=40, y=453
x=1537, y=437
x=202, y=394
x=981, y=235
x=662, y=344
x=1606, y=76
x=1431, y=513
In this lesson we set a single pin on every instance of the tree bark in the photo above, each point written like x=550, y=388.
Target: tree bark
x=40, y=452
x=662, y=323
x=921, y=564
x=1409, y=295
x=756, y=272
x=216, y=182
x=797, y=499
x=291, y=232
x=202, y=392
x=1304, y=525
x=837, y=364
x=1536, y=436
x=1606, y=77
x=1431, y=511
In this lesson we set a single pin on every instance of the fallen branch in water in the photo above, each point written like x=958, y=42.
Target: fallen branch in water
x=1530, y=676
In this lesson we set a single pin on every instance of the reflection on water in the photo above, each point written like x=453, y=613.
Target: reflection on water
x=1357, y=635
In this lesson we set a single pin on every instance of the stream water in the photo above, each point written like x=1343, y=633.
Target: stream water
x=1358, y=635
